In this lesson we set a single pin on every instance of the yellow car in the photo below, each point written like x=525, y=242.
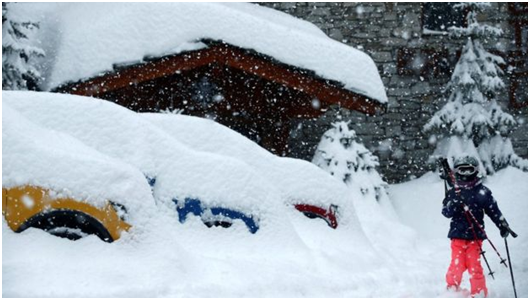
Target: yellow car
x=30, y=206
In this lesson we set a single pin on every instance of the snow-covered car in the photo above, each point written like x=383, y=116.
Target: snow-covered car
x=219, y=190
x=302, y=185
x=53, y=182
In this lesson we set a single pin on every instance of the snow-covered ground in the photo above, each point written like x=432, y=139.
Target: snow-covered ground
x=81, y=127
x=396, y=250
x=418, y=204
x=170, y=261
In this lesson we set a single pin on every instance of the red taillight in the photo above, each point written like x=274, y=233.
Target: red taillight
x=312, y=211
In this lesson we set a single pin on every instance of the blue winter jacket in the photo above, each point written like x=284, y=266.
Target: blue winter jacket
x=479, y=200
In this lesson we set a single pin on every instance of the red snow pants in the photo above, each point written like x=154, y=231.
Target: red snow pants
x=465, y=255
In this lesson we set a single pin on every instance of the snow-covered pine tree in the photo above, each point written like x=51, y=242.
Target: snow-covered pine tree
x=18, y=55
x=472, y=122
x=339, y=154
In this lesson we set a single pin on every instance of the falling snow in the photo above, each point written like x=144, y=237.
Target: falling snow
x=446, y=78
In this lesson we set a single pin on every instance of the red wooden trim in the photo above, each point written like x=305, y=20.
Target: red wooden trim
x=141, y=72
x=324, y=92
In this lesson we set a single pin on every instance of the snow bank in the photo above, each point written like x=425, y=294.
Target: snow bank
x=35, y=156
x=178, y=266
x=298, y=181
x=160, y=256
x=267, y=192
x=94, y=36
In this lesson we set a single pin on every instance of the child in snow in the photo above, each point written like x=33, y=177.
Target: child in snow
x=468, y=199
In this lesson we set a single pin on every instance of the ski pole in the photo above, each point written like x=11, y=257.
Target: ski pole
x=510, y=263
x=503, y=260
x=483, y=253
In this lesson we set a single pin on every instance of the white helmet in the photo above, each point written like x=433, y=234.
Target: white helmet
x=466, y=168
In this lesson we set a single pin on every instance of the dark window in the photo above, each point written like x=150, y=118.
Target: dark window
x=519, y=8
x=517, y=72
x=519, y=20
x=429, y=63
x=440, y=16
x=519, y=92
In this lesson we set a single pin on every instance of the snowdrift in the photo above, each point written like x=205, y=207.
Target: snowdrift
x=33, y=155
x=180, y=173
x=54, y=182
x=98, y=150
x=287, y=245
x=297, y=180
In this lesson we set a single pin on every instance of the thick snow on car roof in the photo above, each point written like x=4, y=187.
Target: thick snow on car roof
x=94, y=36
x=33, y=155
x=183, y=172
x=179, y=171
x=288, y=250
x=299, y=181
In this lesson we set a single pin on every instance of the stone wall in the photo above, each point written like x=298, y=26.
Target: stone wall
x=380, y=30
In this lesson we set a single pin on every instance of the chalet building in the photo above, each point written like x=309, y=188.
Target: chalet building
x=282, y=81
x=240, y=88
x=240, y=80
x=415, y=57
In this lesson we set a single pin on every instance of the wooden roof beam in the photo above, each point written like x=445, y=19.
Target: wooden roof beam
x=142, y=72
x=324, y=91
x=225, y=54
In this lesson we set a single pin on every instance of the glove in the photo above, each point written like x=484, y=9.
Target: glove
x=452, y=202
x=441, y=173
x=505, y=232
x=458, y=202
x=455, y=206
x=505, y=229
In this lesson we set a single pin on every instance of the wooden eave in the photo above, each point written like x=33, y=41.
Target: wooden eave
x=219, y=53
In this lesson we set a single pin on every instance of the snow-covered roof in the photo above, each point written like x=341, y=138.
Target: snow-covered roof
x=94, y=36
